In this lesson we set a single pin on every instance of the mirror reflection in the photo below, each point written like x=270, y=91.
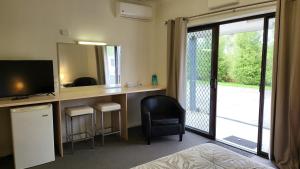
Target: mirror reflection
x=87, y=65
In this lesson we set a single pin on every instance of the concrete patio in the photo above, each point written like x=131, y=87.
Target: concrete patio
x=237, y=115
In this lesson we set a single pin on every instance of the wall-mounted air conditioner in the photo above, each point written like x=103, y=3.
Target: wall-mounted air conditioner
x=135, y=11
x=215, y=4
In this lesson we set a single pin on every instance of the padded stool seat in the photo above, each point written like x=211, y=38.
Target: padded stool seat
x=79, y=110
x=105, y=107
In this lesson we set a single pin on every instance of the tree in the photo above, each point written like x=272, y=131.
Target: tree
x=248, y=62
x=223, y=61
x=270, y=53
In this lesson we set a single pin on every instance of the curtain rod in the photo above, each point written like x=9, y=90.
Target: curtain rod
x=228, y=9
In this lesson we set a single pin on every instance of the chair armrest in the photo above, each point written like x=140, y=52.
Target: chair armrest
x=147, y=119
x=181, y=113
x=182, y=116
x=146, y=115
x=145, y=112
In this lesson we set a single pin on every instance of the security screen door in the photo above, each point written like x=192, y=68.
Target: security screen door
x=200, y=92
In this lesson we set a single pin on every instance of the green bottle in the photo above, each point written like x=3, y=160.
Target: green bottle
x=154, y=80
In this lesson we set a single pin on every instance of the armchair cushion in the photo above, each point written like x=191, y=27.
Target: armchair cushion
x=165, y=121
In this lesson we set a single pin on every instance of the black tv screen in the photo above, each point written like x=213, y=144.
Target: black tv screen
x=25, y=77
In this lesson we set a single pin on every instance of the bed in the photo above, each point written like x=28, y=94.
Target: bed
x=206, y=156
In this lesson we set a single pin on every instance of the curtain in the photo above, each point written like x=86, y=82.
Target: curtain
x=100, y=56
x=285, y=142
x=176, y=54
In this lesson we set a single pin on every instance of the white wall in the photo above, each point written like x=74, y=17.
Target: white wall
x=170, y=9
x=29, y=29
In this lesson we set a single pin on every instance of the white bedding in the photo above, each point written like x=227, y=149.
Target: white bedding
x=206, y=156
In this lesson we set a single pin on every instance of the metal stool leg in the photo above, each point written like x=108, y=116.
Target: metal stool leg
x=66, y=121
x=95, y=122
x=72, y=135
x=120, y=123
x=93, y=131
x=102, y=126
x=86, y=129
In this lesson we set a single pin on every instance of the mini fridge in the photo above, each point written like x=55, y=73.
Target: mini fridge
x=32, y=132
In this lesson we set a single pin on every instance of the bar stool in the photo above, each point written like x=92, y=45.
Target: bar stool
x=104, y=108
x=75, y=112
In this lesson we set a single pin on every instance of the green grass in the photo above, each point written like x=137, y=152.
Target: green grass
x=232, y=85
x=242, y=85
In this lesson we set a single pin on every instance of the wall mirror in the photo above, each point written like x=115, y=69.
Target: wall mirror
x=88, y=65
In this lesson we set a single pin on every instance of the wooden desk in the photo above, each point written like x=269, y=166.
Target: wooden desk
x=82, y=96
x=92, y=95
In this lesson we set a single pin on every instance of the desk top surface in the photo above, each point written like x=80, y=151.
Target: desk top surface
x=78, y=93
x=31, y=100
x=98, y=91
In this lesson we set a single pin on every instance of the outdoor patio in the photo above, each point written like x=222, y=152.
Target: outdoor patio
x=237, y=115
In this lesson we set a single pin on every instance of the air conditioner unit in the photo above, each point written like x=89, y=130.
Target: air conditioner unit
x=135, y=11
x=215, y=4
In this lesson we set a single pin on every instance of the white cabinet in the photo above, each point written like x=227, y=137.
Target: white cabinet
x=33, y=140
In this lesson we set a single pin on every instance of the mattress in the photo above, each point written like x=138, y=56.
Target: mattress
x=206, y=156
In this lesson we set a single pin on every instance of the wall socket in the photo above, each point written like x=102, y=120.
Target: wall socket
x=64, y=32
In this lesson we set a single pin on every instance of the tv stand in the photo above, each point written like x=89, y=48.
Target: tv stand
x=20, y=98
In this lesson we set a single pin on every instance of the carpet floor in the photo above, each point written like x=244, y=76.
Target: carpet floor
x=116, y=154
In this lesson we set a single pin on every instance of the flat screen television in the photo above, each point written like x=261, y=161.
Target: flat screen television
x=22, y=78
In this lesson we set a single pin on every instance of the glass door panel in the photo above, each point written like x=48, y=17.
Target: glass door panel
x=239, y=75
x=268, y=88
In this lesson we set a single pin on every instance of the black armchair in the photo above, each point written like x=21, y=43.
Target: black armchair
x=162, y=115
x=85, y=81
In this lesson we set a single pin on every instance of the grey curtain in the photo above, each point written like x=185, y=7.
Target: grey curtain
x=285, y=142
x=100, y=54
x=176, y=54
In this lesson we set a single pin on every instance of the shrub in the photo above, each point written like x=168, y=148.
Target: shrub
x=224, y=63
x=247, y=69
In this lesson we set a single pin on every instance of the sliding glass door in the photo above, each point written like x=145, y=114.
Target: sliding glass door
x=239, y=77
x=229, y=70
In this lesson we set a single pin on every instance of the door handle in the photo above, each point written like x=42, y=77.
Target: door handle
x=45, y=115
x=214, y=84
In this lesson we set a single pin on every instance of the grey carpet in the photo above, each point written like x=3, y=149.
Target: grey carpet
x=116, y=154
